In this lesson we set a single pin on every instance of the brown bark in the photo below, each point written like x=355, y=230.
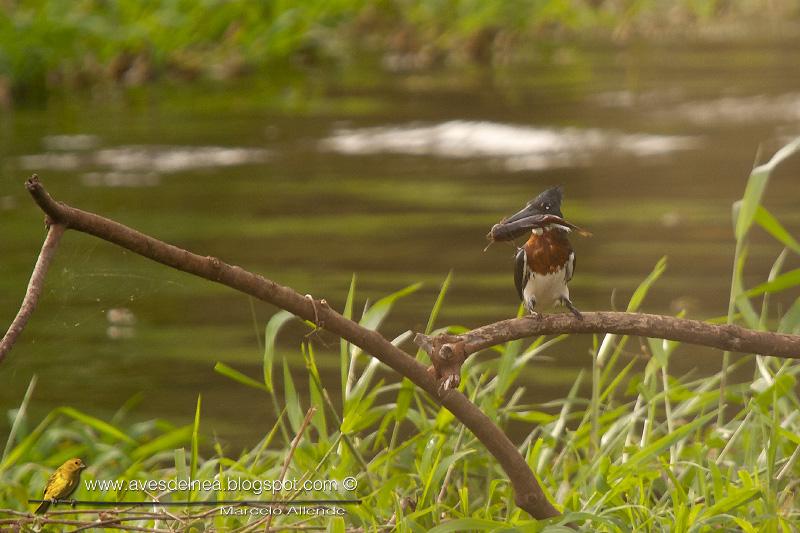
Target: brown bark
x=34, y=290
x=449, y=352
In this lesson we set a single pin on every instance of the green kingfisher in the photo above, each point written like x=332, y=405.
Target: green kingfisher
x=546, y=262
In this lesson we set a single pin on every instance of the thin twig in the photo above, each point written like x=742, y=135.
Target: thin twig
x=446, y=481
x=295, y=443
x=81, y=525
x=114, y=522
x=54, y=233
x=110, y=522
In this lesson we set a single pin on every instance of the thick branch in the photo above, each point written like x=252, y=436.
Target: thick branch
x=449, y=352
x=31, y=298
x=528, y=493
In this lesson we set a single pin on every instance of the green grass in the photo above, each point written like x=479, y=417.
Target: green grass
x=641, y=450
x=57, y=43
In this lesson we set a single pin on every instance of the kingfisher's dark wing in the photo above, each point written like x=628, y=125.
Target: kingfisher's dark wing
x=570, y=267
x=521, y=272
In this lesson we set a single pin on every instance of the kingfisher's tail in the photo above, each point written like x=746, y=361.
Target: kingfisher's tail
x=42, y=507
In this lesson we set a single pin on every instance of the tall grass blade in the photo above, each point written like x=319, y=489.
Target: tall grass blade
x=561, y=422
x=24, y=447
x=745, y=212
x=771, y=225
x=644, y=287
x=99, y=425
x=167, y=441
x=344, y=346
x=315, y=392
x=336, y=525
x=785, y=281
x=293, y=409
x=437, y=306
x=633, y=305
x=790, y=323
x=274, y=325
x=743, y=304
x=756, y=185
x=374, y=316
x=195, y=439
x=19, y=417
x=653, y=450
x=731, y=502
x=181, y=472
x=235, y=375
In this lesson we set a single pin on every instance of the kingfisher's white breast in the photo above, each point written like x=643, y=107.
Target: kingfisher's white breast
x=547, y=289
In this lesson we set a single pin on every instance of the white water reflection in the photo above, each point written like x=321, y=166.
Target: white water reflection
x=741, y=109
x=519, y=147
x=138, y=165
x=709, y=112
x=71, y=142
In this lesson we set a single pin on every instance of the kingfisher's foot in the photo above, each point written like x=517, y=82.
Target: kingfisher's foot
x=572, y=308
x=534, y=315
x=530, y=304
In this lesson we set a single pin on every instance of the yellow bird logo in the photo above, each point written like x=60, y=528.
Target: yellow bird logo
x=62, y=483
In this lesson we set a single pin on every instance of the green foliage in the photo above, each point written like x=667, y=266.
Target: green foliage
x=646, y=451
x=54, y=43
x=747, y=211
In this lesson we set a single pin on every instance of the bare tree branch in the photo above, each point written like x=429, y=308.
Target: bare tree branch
x=448, y=352
x=54, y=233
x=528, y=494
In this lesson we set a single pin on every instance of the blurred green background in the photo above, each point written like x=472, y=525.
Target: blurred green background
x=75, y=43
x=311, y=141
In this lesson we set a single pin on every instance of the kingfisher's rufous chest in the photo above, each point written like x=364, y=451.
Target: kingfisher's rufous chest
x=547, y=250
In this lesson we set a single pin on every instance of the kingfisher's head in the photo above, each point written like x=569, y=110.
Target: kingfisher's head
x=547, y=203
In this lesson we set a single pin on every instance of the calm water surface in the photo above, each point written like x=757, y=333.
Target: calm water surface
x=395, y=177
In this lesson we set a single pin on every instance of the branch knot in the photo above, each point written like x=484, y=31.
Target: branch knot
x=447, y=353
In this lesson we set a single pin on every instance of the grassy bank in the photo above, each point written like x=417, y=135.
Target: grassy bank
x=59, y=43
x=630, y=447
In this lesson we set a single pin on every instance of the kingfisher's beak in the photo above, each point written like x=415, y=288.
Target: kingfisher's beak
x=517, y=225
x=525, y=212
x=524, y=220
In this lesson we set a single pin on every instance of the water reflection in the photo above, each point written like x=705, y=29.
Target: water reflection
x=81, y=141
x=144, y=158
x=732, y=109
x=742, y=109
x=518, y=147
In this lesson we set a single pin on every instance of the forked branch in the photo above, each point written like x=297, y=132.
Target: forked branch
x=528, y=494
x=448, y=352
